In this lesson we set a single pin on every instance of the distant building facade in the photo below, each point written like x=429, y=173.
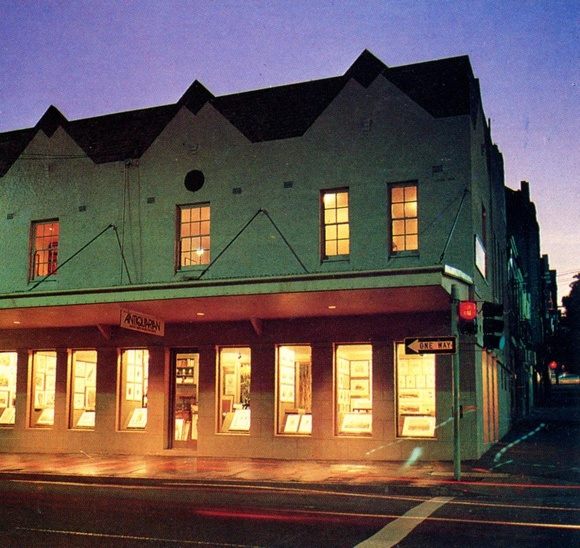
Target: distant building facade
x=237, y=275
x=533, y=310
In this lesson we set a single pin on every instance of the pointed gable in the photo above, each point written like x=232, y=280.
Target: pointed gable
x=117, y=137
x=195, y=97
x=279, y=112
x=51, y=120
x=443, y=88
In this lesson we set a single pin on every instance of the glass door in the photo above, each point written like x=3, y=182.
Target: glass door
x=185, y=378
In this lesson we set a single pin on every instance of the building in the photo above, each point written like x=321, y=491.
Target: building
x=533, y=325
x=236, y=275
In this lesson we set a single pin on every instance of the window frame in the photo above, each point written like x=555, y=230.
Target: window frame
x=9, y=374
x=78, y=420
x=293, y=387
x=417, y=420
x=50, y=265
x=353, y=385
x=404, y=219
x=42, y=388
x=233, y=411
x=324, y=225
x=205, y=255
x=132, y=417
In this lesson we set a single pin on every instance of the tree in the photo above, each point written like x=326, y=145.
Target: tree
x=571, y=328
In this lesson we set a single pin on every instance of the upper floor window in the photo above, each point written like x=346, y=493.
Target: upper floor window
x=194, y=235
x=43, y=248
x=404, y=217
x=335, y=223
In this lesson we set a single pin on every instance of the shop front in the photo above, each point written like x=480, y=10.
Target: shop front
x=338, y=385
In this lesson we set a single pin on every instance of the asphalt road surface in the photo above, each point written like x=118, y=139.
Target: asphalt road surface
x=52, y=514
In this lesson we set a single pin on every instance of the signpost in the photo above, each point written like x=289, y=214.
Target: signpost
x=431, y=345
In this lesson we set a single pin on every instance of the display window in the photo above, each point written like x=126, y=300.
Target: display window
x=234, y=390
x=415, y=381
x=42, y=394
x=353, y=389
x=83, y=388
x=186, y=369
x=134, y=381
x=8, y=388
x=294, y=390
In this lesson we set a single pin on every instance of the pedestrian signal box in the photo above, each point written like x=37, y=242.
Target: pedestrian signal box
x=467, y=317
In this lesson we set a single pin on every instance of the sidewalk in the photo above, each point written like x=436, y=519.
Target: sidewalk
x=542, y=449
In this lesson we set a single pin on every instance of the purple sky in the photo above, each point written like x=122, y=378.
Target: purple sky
x=96, y=57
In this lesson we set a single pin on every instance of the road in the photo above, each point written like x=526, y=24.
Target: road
x=168, y=513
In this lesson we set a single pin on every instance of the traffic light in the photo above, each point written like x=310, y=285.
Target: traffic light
x=493, y=325
x=467, y=317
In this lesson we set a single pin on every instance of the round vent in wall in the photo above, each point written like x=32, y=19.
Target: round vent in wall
x=194, y=180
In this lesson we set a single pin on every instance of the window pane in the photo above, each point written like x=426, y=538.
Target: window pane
x=134, y=382
x=343, y=247
x=353, y=389
x=412, y=243
x=294, y=394
x=398, y=228
x=83, y=394
x=43, y=389
x=234, y=390
x=411, y=209
x=415, y=394
x=411, y=193
x=331, y=248
x=342, y=200
x=398, y=211
x=8, y=361
x=398, y=243
x=397, y=194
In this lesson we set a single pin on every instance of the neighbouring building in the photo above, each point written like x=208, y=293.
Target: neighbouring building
x=237, y=275
x=532, y=298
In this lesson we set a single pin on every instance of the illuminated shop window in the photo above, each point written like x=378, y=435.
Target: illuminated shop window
x=294, y=390
x=186, y=396
x=354, y=389
x=134, y=381
x=234, y=390
x=7, y=388
x=83, y=388
x=335, y=223
x=194, y=235
x=415, y=394
x=404, y=218
x=43, y=248
x=43, y=380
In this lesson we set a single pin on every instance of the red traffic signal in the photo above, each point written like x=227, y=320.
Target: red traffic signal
x=553, y=365
x=467, y=310
x=467, y=317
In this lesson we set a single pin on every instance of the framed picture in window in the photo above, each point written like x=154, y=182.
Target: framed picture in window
x=359, y=387
x=359, y=368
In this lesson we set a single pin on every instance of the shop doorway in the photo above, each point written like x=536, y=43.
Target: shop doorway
x=184, y=400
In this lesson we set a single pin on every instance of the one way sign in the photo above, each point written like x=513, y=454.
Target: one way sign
x=430, y=345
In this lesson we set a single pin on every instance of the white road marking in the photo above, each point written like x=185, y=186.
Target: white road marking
x=397, y=530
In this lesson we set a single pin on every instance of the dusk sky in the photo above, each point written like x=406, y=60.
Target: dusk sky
x=91, y=58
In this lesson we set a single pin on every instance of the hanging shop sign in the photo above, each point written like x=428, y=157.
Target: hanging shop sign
x=142, y=323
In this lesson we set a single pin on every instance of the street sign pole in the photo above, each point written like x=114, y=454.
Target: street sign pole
x=455, y=385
